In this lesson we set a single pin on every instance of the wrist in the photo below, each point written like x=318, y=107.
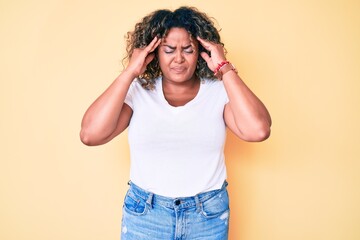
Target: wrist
x=223, y=68
x=220, y=65
x=130, y=73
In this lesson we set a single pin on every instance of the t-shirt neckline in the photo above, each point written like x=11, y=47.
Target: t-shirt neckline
x=175, y=108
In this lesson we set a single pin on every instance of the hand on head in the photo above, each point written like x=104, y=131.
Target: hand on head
x=216, y=51
x=141, y=57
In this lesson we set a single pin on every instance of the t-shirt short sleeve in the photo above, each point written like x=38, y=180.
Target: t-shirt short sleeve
x=130, y=94
x=224, y=93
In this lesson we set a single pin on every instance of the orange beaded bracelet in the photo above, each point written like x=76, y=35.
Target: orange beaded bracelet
x=224, y=68
x=223, y=63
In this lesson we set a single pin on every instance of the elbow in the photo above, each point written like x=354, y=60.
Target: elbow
x=257, y=135
x=90, y=138
x=87, y=138
x=263, y=134
x=263, y=131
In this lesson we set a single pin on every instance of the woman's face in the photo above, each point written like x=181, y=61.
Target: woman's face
x=178, y=54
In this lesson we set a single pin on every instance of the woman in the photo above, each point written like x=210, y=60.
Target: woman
x=177, y=95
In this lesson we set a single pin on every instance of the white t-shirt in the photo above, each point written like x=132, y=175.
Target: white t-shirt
x=177, y=151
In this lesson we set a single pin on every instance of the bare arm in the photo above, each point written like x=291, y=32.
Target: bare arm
x=102, y=117
x=108, y=116
x=245, y=114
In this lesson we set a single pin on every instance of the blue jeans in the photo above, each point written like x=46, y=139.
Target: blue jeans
x=147, y=216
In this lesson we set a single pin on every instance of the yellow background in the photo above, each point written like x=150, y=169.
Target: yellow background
x=300, y=57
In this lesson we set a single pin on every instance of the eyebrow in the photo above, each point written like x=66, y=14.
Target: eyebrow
x=171, y=47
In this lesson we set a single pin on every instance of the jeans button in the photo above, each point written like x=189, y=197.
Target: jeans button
x=177, y=202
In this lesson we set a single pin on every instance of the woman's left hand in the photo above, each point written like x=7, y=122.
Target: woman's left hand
x=216, y=51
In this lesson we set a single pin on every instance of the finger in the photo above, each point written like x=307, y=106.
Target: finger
x=206, y=44
x=153, y=44
x=208, y=60
x=157, y=43
x=205, y=56
x=149, y=58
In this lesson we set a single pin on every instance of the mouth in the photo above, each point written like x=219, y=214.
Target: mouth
x=178, y=69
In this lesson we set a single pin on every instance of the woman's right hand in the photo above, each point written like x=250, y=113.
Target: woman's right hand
x=141, y=57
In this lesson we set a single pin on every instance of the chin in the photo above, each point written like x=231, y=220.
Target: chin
x=179, y=78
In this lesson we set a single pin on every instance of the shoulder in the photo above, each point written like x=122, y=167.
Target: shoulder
x=136, y=87
x=139, y=84
x=215, y=87
x=212, y=83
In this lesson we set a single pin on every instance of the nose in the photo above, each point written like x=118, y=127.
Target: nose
x=179, y=57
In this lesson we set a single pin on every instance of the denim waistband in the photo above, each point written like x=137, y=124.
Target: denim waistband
x=172, y=203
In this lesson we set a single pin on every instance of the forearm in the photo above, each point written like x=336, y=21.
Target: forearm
x=101, y=118
x=250, y=114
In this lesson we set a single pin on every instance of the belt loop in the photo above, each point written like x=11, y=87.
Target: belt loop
x=225, y=184
x=149, y=200
x=198, y=204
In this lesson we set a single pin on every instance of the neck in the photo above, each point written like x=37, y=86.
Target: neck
x=178, y=94
x=180, y=87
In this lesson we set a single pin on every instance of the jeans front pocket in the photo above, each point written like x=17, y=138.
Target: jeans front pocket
x=216, y=206
x=134, y=204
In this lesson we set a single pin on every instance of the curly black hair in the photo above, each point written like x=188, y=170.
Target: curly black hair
x=159, y=23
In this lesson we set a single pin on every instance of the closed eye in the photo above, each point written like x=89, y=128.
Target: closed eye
x=169, y=49
x=188, y=49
